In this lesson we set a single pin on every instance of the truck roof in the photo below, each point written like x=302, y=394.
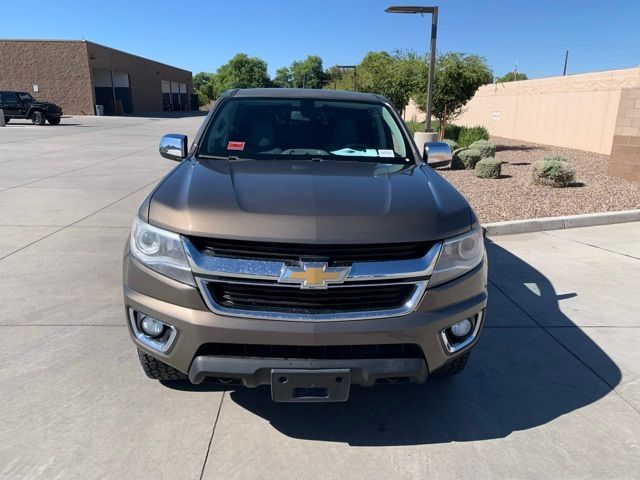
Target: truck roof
x=319, y=94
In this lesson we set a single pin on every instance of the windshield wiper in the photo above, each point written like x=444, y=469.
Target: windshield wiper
x=218, y=157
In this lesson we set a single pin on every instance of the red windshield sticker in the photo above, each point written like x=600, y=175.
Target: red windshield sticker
x=235, y=146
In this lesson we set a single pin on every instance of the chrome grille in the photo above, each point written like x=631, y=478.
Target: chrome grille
x=251, y=285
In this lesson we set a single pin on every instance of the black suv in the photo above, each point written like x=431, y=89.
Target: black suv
x=23, y=105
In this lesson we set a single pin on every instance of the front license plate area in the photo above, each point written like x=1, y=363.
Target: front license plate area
x=288, y=385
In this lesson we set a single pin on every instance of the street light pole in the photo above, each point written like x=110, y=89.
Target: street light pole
x=432, y=52
x=350, y=67
x=432, y=67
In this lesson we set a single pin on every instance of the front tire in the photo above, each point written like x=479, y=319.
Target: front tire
x=454, y=367
x=38, y=118
x=158, y=370
x=54, y=120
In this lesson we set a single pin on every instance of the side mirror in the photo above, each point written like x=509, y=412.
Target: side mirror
x=174, y=147
x=436, y=154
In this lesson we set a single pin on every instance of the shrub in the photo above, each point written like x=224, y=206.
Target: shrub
x=485, y=147
x=469, y=157
x=553, y=172
x=558, y=158
x=453, y=145
x=469, y=135
x=488, y=168
x=456, y=162
x=414, y=127
x=452, y=132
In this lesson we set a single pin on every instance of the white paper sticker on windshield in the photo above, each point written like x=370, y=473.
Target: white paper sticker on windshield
x=386, y=153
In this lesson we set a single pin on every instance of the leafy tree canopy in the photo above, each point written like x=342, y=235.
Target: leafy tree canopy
x=307, y=73
x=242, y=71
x=510, y=77
x=395, y=75
x=457, y=78
x=283, y=78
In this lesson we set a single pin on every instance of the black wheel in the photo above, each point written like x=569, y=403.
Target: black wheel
x=38, y=118
x=54, y=120
x=158, y=370
x=7, y=119
x=454, y=367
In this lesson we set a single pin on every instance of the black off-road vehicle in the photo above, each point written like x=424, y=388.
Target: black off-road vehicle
x=23, y=105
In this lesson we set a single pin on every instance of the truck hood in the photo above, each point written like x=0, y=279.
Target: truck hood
x=308, y=202
x=43, y=104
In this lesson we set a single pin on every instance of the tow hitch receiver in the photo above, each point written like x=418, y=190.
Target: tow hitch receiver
x=310, y=385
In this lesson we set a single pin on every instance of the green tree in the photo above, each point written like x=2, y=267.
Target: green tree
x=510, y=77
x=308, y=73
x=242, y=71
x=396, y=75
x=283, y=78
x=204, y=87
x=339, y=78
x=457, y=78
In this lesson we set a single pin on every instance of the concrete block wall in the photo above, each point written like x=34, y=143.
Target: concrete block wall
x=574, y=111
x=59, y=68
x=624, y=161
x=145, y=75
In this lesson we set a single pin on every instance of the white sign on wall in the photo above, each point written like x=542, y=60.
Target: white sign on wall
x=35, y=88
x=496, y=115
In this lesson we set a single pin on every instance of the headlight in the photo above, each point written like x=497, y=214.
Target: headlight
x=161, y=251
x=459, y=255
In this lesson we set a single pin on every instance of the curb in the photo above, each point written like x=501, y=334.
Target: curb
x=560, y=223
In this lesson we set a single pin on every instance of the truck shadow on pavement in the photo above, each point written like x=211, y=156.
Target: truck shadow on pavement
x=519, y=377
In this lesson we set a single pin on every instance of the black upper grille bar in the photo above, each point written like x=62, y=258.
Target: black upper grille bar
x=296, y=252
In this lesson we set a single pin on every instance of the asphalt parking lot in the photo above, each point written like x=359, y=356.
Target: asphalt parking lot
x=552, y=391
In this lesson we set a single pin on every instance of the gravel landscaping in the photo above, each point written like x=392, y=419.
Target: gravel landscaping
x=514, y=197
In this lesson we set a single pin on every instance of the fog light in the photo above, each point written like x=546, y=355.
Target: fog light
x=461, y=329
x=152, y=327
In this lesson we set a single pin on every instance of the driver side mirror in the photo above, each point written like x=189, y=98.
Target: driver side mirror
x=436, y=154
x=174, y=147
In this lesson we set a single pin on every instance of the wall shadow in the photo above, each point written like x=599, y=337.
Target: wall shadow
x=519, y=377
x=515, y=148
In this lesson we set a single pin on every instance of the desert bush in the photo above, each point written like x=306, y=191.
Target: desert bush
x=469, y=157
x=453, y=145
x=485, y=147
x=452, y=132
x=558, y=158
x=469, y=135
x=488, y=168
x=553, y=172
x=456, y=162
x=419, y=126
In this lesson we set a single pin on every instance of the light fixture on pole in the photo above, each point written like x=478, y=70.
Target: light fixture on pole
x=432, y=51
x=354, y=67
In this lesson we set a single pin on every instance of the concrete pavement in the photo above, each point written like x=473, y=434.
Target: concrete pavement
x=552, y=391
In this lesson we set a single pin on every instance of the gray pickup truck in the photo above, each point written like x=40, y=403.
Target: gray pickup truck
x=304, y=242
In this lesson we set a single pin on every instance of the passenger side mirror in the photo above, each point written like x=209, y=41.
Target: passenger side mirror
x=436, y=154
x=174, y=146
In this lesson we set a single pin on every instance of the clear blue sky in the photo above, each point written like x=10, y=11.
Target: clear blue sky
x=202, y=35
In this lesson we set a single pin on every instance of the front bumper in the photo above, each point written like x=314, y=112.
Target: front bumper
x=182, y=307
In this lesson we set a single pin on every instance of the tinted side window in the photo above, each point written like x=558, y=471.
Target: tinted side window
x=9, y=97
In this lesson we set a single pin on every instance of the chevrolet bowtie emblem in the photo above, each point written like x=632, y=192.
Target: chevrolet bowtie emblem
x=313, y=275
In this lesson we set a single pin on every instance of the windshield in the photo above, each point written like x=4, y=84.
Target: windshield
x=25, y=97
x=301, y=128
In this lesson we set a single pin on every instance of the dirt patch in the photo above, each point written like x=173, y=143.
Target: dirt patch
x=514, y=197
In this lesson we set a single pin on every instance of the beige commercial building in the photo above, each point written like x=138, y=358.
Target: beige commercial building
x=78, y=75
x=597, y=112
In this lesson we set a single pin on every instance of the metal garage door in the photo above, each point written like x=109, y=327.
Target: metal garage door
x=113, y=91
